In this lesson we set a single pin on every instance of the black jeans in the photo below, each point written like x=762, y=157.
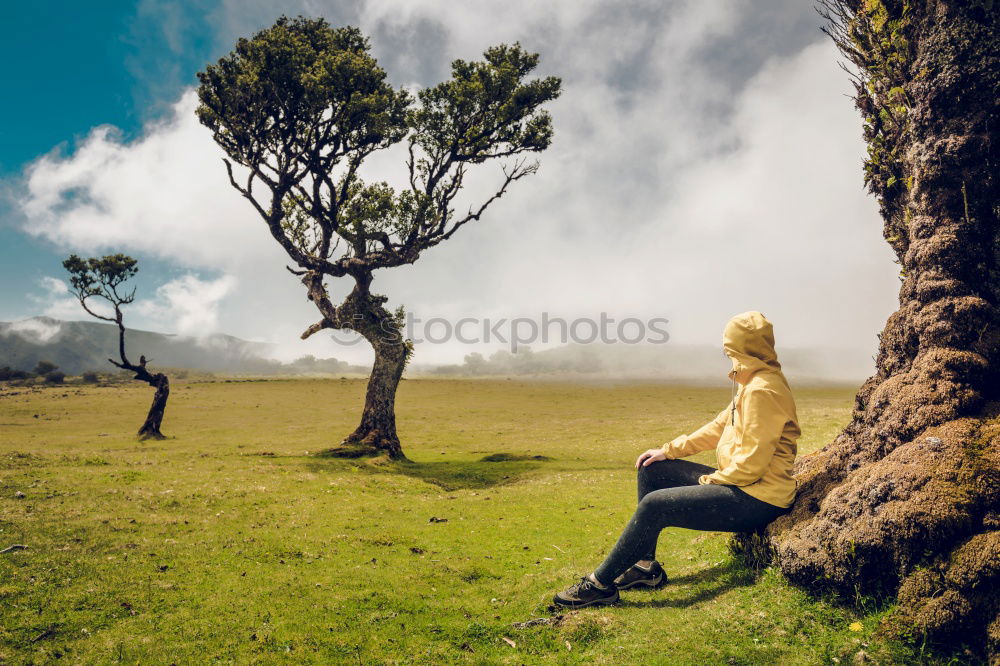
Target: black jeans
x=670, y=496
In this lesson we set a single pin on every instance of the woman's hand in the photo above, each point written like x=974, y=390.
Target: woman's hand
x=649, y=457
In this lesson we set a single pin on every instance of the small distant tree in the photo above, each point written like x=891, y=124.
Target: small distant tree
x=90, y=377
x=302, y=105
x=55, y=377
x=43, y=368
x=9, y=374
x=474, y=364
x=104, y=279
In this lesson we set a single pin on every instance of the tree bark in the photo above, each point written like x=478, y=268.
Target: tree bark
x=905, y=502
x=376, y=434
x=365, y=313
x=151, y=428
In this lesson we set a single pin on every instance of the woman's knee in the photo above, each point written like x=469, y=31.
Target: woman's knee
x=657, y=475
x=646, y=471
x=649, y=509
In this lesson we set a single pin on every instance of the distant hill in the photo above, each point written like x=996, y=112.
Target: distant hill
x=78, y=346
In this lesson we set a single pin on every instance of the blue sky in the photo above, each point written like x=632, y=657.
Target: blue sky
x=69, y=66
x=695, y=143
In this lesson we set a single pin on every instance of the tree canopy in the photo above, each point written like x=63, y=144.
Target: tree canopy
x=301, y=105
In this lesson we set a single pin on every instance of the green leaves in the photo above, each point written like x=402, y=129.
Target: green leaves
x=486, y=109
x=369, y=208
x=299, y=91
x=101, y=276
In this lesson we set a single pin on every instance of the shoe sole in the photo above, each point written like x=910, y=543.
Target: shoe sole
x=657, y=583
x=595, y=602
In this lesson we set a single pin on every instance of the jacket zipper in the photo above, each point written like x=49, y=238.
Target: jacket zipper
x=732, y=412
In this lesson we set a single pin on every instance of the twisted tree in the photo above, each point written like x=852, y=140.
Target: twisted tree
x=302, y=105
x=104, y=278
x=906, y=500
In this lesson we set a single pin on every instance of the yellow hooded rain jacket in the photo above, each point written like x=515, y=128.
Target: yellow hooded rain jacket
x=754, y=436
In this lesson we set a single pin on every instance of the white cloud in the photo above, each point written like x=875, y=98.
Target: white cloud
x=165, y=195
x=188, y=305
x=54, y=300
x=35, y=331
x=781, y=223
x=54, y=287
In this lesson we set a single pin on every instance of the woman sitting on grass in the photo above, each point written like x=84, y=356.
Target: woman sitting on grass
x=754, y=438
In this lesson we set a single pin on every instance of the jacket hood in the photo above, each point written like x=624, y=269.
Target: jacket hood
x=748, y=340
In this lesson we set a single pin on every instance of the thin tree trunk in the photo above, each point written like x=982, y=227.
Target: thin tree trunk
x=151, y=428
x=905, y=502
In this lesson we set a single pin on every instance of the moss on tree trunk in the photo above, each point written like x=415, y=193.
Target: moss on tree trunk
x=906, y=500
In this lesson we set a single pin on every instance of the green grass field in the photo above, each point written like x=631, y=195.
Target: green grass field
x=230, y=542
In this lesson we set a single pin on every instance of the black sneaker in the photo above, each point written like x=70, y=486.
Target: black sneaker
x=585, y=593
x=633, y=576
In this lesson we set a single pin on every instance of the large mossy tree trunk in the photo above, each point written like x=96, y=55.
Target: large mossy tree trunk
x=906, y=500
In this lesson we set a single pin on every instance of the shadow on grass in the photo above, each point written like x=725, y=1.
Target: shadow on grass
x=707, y=583
x=491, y=470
